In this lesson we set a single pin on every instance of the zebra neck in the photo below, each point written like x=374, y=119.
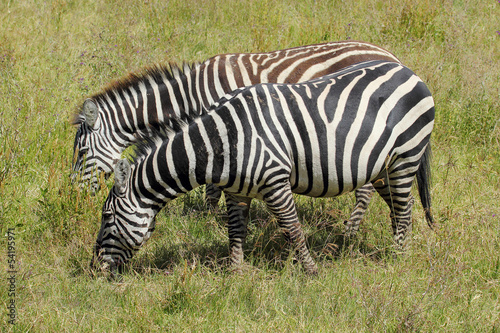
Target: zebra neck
x=192, y=157
x=168, y=170
x=208, y=149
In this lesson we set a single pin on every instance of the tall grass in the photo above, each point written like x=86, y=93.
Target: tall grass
x=55, y=54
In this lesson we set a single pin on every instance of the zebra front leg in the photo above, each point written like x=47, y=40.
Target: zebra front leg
x=363, y=197
x=212, y=196
x=237, y=209
x=280, y=202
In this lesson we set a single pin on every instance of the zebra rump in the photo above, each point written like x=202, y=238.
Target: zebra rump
x=369, y=123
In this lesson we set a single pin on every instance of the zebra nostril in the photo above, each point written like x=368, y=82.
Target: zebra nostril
x=94, y=189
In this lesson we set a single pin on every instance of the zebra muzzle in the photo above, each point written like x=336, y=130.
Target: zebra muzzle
x=97, y=263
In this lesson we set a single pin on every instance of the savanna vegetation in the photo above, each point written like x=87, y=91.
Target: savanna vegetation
x=54, y=54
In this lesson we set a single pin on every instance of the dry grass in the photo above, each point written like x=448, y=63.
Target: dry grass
x=55, y=54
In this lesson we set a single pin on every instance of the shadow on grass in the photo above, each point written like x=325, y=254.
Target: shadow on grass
x=265, y=246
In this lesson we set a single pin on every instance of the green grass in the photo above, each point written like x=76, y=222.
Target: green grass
x=55, y=54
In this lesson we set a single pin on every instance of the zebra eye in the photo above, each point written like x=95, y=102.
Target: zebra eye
x=106, y=216
x=82, y=151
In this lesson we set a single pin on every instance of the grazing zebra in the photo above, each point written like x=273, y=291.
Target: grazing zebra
x=111, y=121
x=369, y=123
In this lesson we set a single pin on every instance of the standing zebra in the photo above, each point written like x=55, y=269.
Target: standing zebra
x=369, y=123
x=112, y=120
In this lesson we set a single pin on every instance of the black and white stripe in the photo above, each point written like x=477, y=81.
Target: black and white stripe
x=369, y=123
x=110, y=121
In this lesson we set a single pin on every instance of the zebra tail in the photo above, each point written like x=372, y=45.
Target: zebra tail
x=423, y=183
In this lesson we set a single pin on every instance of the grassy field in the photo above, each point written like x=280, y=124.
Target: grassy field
x=54, y=54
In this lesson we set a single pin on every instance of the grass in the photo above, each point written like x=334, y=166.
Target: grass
x=55, y=54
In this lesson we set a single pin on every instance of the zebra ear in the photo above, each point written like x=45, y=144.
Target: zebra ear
x=90, y=112
x=122, y=174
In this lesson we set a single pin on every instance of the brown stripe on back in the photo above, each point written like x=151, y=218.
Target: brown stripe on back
x=336, y=51
x=236, y=70
x=201, y=85
x=222, y=71
x=211, y=79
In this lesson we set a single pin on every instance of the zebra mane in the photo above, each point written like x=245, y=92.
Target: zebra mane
x=157, y=73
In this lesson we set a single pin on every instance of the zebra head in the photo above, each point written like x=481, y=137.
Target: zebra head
x=91, y=154
x=126, y=223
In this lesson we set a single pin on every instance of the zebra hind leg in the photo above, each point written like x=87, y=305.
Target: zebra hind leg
x=399, y=199
x=363, y=197
x=280, y=202
x=402, y=225
x=237, y=209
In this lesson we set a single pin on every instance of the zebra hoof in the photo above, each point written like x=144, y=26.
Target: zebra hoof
x=350, y=230
x=240, y=269
x=115, y=275
x=311, y=270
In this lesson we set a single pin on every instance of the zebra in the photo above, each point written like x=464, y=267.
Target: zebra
x=111, y=121
x=369, y=123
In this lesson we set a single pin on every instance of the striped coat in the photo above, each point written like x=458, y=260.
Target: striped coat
x=111, y=121
x=369, y=123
